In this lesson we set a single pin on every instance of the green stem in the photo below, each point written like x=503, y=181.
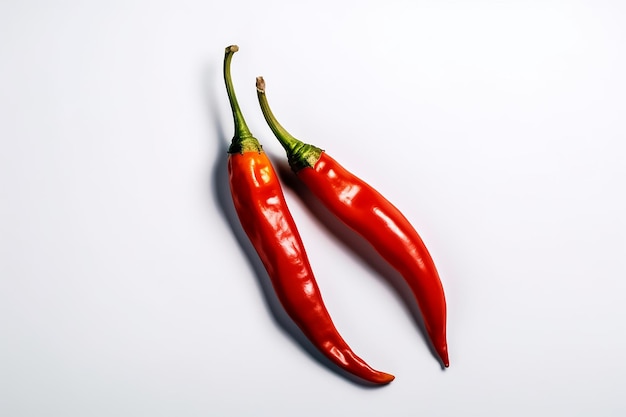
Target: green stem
x=243, y=141
x=300, y=154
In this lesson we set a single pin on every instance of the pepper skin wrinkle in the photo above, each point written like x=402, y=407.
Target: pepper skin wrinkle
x=371, y=215
x=262, y=210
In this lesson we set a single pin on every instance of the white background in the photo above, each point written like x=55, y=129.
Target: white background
x=497, y=127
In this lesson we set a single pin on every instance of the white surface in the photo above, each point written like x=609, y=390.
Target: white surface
x=497, y=127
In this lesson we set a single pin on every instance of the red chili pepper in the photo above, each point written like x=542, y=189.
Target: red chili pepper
x=265, y=217
x=367, y=212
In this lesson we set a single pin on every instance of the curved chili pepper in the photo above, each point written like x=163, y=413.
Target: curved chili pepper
x=371, y=215
x=265, y=217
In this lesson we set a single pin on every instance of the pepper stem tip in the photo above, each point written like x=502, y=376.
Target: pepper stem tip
x=232, y=48
x=260, y=84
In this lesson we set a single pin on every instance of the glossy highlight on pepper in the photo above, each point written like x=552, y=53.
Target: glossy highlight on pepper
x=371, y=215
x=262, y=210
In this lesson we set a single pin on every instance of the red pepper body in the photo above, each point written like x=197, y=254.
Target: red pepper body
x=367, y=212
x=372, y=216
x=264, y=216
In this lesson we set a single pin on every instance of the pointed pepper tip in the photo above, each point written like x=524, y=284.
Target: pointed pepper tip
x=444, y=357
x=387, y=378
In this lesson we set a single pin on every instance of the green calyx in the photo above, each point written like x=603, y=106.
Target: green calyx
x=243, y=141
x=303, y=155
x=299, y=154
